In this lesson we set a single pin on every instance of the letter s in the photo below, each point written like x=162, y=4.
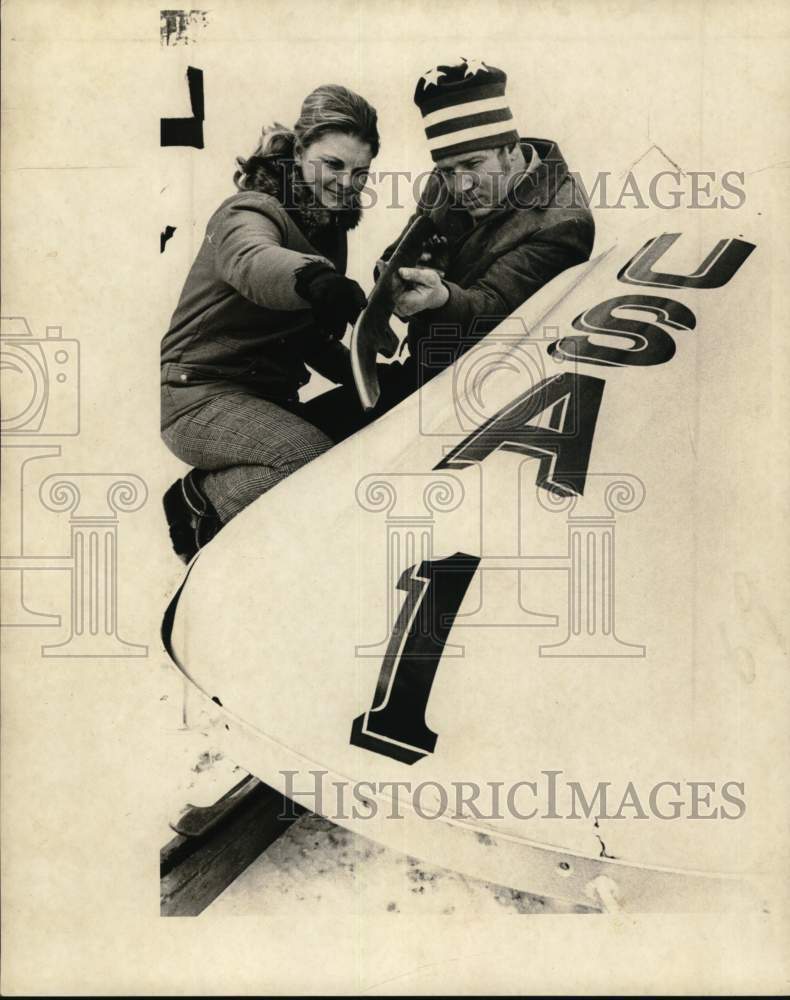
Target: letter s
x=733, y=799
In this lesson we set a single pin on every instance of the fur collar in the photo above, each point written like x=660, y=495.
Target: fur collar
x=282, y=179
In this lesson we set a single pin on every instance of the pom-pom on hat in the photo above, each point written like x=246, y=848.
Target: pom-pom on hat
x=464, y=108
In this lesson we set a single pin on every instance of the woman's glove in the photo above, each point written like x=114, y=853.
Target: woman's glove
x=336, y=300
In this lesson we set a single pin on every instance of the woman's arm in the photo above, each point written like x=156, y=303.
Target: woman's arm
x=247, y=239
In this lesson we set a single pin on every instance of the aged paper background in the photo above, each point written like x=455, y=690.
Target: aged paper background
x=86, y=192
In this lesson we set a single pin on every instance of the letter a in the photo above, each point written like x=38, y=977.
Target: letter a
x=562, y=442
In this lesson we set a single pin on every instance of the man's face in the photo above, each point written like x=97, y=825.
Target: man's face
x=477, y=181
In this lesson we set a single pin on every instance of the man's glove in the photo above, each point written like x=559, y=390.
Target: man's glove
x=336, y=300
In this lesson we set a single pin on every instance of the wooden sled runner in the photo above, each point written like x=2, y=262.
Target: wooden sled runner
x=372, y=334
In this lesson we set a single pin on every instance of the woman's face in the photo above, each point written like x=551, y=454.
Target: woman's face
x=335, y=167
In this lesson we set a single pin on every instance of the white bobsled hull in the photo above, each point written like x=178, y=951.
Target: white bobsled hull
x=532, y=574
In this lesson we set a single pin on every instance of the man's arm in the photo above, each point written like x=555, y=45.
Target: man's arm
x=510, y=280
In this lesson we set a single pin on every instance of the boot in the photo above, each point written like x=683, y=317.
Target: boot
x=191, y=517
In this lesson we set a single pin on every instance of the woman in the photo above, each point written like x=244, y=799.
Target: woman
x=265, y=296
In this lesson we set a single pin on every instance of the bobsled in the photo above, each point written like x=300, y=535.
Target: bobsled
x=503, y=627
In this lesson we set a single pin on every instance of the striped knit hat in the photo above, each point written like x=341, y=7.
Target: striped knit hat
x=464, y=108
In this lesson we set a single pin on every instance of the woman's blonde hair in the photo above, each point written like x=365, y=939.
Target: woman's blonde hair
x=330, y=108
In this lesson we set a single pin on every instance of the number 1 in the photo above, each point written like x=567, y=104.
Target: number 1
x=395, y=725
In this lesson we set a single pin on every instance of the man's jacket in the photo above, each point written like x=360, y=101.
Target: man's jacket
x=493, y=265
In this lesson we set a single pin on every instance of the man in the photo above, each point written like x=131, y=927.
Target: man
x=507, y=218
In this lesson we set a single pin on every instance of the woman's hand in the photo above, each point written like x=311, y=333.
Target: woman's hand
x=417, y=289
x=336, y=300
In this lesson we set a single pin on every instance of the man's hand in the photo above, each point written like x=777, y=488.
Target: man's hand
x=417, y=289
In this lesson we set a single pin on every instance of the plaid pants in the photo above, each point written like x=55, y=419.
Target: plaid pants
x=245, y=445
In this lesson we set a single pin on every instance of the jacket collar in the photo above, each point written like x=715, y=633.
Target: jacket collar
x=538, y=188
x=281, y=178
